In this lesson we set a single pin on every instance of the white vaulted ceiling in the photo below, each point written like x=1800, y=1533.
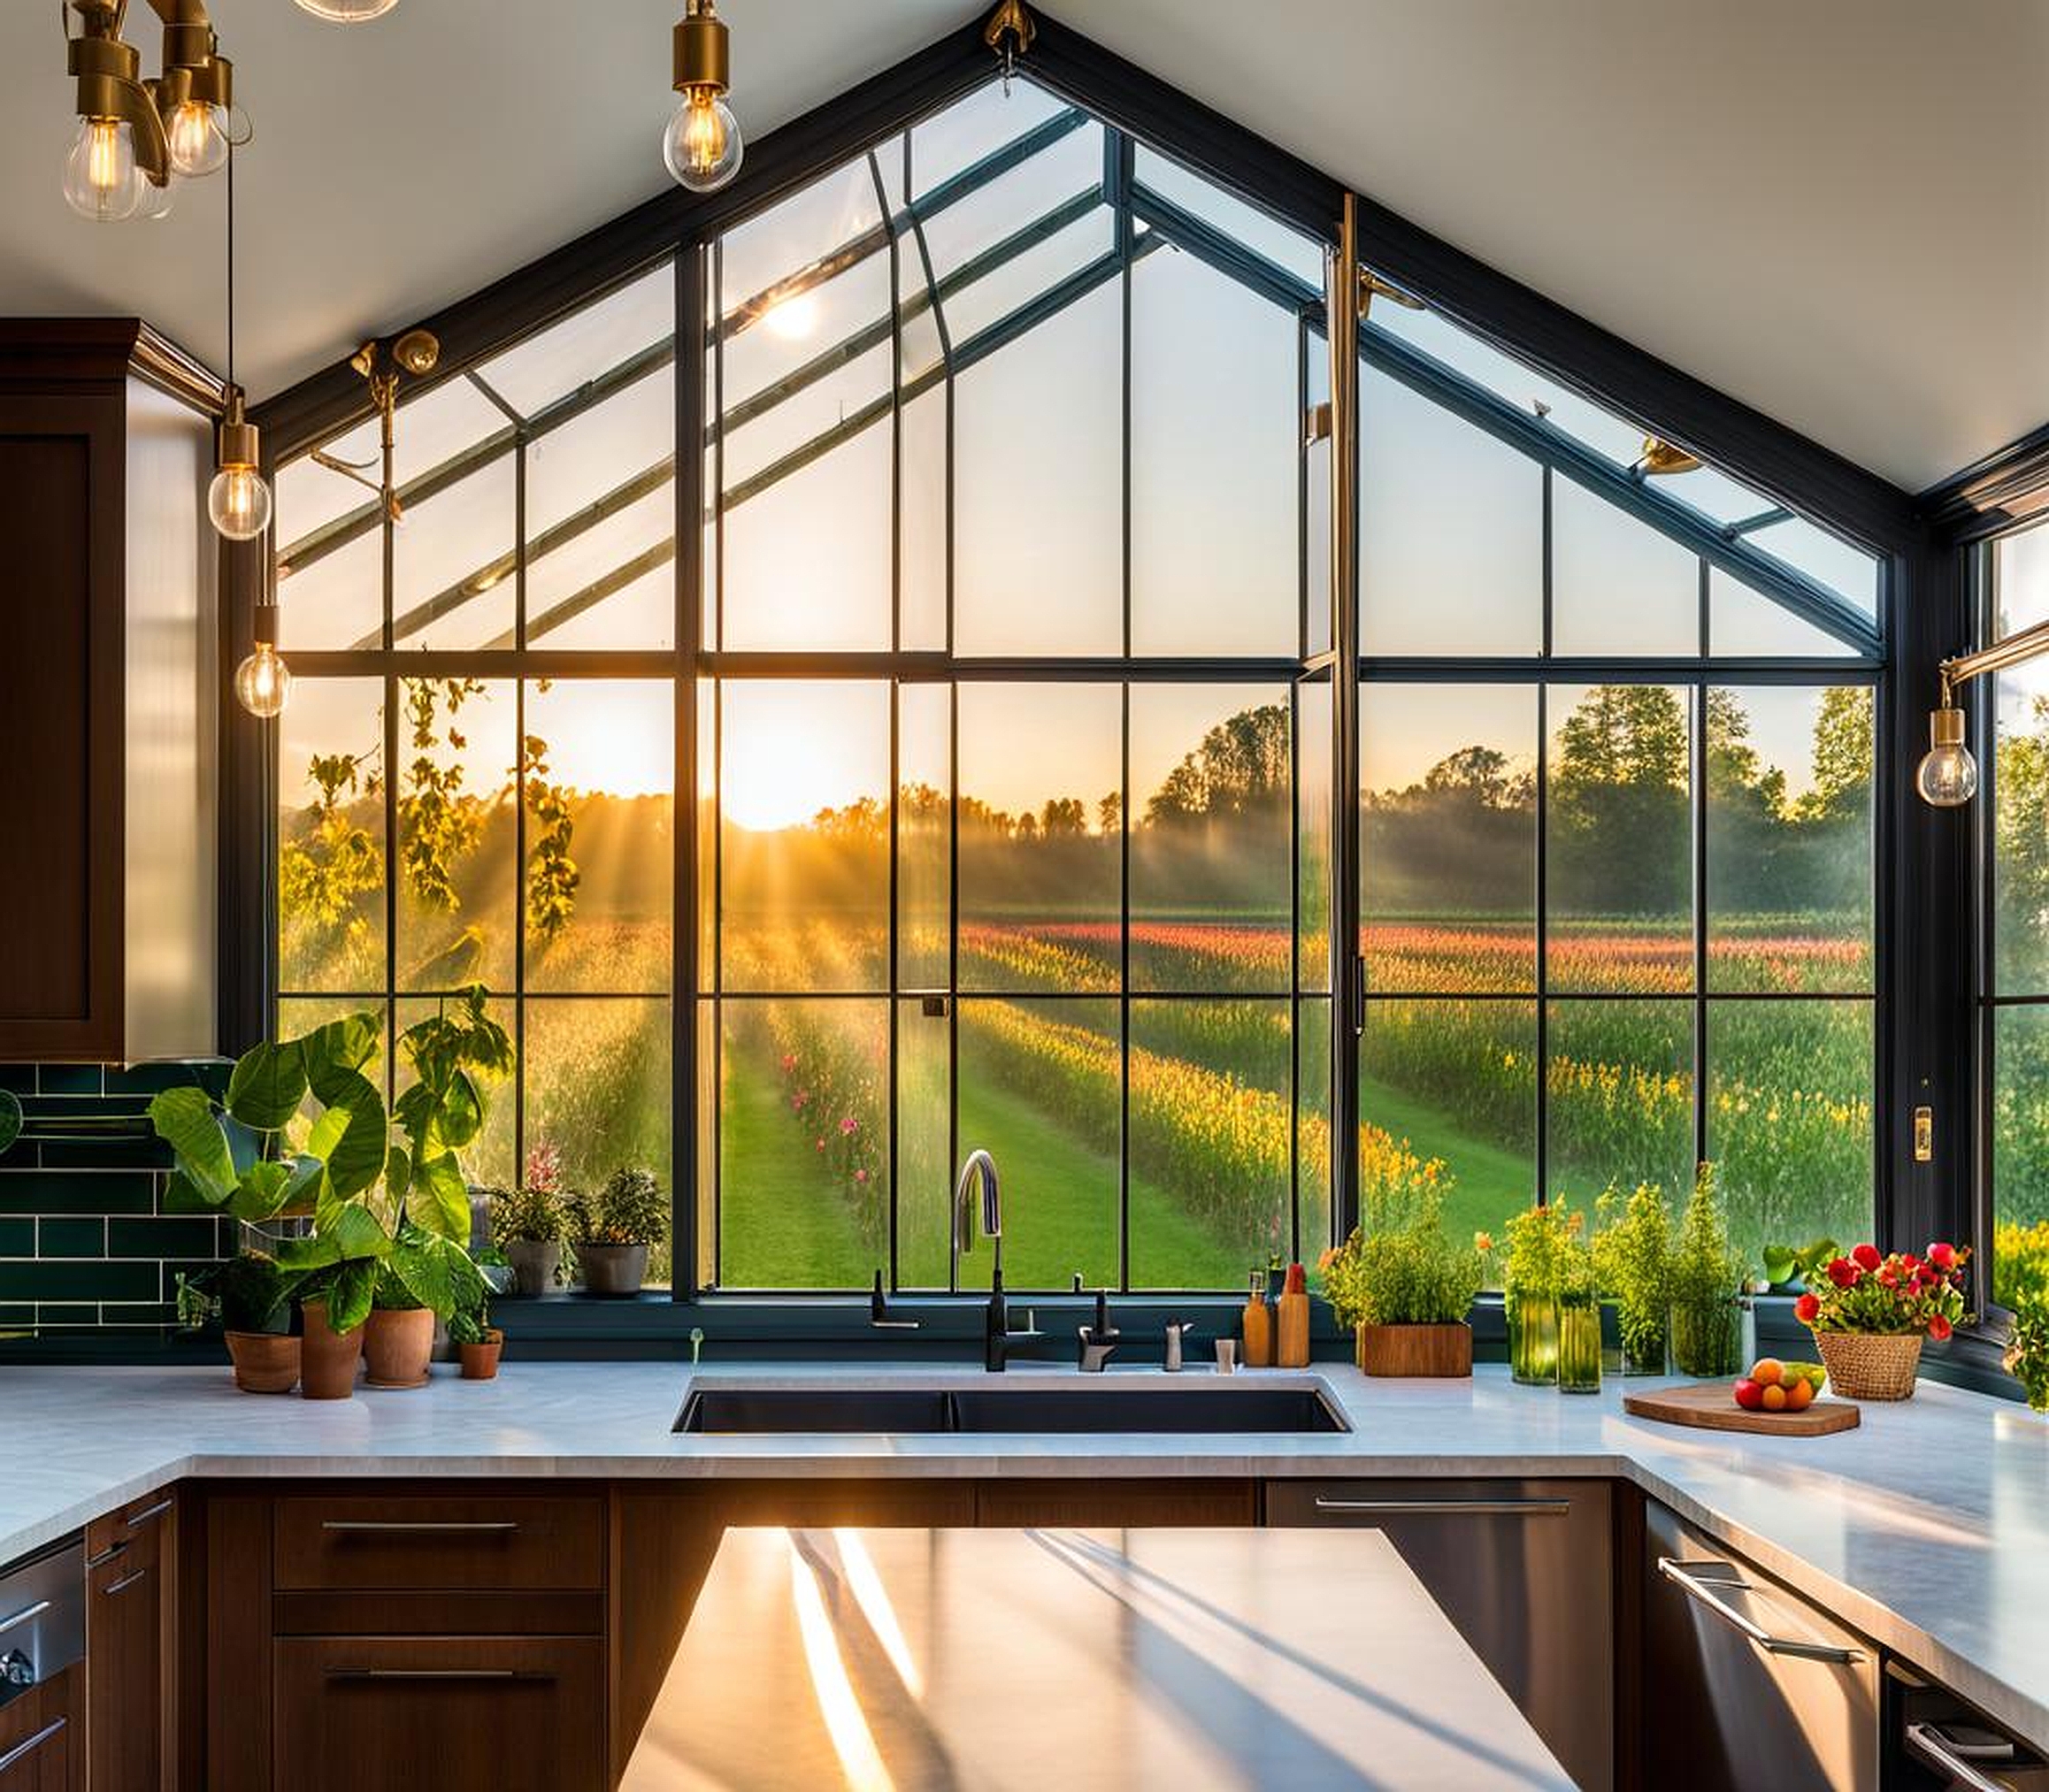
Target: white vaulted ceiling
x=1836, y=211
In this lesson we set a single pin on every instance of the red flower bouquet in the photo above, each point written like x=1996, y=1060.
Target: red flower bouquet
x=1871, y=1313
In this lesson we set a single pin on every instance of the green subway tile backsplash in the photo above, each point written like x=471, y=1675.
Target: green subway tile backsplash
x=84, y=1241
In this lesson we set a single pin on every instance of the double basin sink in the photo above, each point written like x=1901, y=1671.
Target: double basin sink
x=1122, y=1408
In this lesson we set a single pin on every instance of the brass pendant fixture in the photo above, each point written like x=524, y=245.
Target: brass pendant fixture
x=133, y=134
x=702, y=146
x=1009, y=32
x=417, y=352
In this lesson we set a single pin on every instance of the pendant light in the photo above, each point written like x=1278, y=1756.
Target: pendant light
x=133, y=134
x=1947, y=777
x=347, y=11
x=703, y=145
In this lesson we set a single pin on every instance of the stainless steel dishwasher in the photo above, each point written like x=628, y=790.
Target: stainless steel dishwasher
x=1936, y=1741
x=1525, y=1569
x=1747, y=1684
x=41, y=1618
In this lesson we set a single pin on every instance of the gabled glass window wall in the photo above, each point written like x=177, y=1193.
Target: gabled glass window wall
x=1006, y=692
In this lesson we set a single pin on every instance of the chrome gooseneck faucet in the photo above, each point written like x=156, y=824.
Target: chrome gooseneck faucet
x=997, y=1337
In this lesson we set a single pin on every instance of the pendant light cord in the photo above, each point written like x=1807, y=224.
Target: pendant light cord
x=231, y=264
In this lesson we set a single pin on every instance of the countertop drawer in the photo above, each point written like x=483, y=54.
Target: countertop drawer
x=454, y=1542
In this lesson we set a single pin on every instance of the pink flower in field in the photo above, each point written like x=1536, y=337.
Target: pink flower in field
x=849, y=1127
x=801, y=1100
x=861, y=1175
x=789, y=1061
x=818, y=1145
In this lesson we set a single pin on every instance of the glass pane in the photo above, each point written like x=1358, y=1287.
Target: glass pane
x=1215, y=554
x=1040, y=1090
x=429, y=432
x=1313, y=751
x=804, y=1144
x=331, y=857
x=1010, y=274
x=2020, y=794
x=595, y=340
x=2021, y=580
x=611, y=586
x=601, y=844
x=1017, y=197
x=457, y=906
x=805, y=363
x=963, y=134
x=1619, y=841
x=487, y=1160
x=1789, y=1120
x=1449, y=836
x=1617, y=585
x=1430, y=581
x=925, y=837
x=1039, y=856
x=1620, y=1097
x=452, y=563
x=1037, y=433
x=1746, y=622
x=1834, y=565
x=1267, y=237
x=832, y=213
x=804, y=795
x=925, y=1170
x=1789, y=839
x=1211, y=841
x=1317, y=617
x=1313, y=1137
x=922, y=487
x=330, y=572
x=2020, y=1154
x=1210, y=1155
x=1452, y=1083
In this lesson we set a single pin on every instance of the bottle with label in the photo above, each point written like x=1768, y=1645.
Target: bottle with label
x=1292, y=1327
x=1258, y=1325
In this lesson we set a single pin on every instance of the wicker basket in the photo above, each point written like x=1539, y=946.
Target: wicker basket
x=1870, y=1366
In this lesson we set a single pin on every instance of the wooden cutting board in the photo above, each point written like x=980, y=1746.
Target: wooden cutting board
x=1710, y=1407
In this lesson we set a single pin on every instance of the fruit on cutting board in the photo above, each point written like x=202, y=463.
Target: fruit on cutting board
x=1773, y=1386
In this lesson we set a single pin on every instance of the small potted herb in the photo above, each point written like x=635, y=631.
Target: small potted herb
x=478, y=1340
x=1707, y=1276
x=251, y=1297
x=1871, y=1311
x=612, y=1233
x=527, y=1225
x=1405, y=1287
x=2027, y=1356
x=1632, y=1264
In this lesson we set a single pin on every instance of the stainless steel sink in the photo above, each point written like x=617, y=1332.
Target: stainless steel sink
x=1194, y=1408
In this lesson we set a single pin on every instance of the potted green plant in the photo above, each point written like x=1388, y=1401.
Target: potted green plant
x=1870, y=1310
x=1405, y=1287
x=479, y=1341
x=252, y=1298
x=612, y=1233
x=527, y=1224
x=1632, y=1265
x=1707, y=1276
x=1530, y=1278
x=2027, y=1358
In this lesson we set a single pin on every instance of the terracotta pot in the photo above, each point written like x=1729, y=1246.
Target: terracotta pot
x=1864, y=1365
x=534, y=1261
x=1416, y=1350
x=328, y=1358
x=612, y=1268
x=480, y=1360
x=397, y=1345
x=266, y=1362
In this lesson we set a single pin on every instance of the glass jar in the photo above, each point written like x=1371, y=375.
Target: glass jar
x=1579, y=1347
x=1532, y=1337
x=1706, y=1336
x=1646, y=1348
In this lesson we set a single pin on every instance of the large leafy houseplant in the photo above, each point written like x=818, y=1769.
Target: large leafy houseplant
x=304, y=1134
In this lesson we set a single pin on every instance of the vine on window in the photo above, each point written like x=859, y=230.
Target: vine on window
x=322, y=873
x=552, y=875
x=439, y=821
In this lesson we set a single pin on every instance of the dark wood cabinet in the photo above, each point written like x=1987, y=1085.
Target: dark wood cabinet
x=42, y=1738
x=131, y=1616
x=466, y=1714
x=107, y=692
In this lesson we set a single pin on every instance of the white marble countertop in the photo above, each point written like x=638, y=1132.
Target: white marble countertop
x=1927, y=1527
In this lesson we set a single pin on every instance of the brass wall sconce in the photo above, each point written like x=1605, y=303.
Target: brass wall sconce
x=1658, y=459
x=134, y=134
x=1947, y=777
x=417, y=352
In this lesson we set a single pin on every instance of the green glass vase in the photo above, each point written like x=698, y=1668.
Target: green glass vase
x=1579, y=1347
x=1533, y=1338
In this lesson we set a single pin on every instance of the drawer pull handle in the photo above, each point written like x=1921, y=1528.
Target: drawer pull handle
x=422, y=1526
x=126, y=1582
x=1688, y=1576
x=105, y=1556
x=521, y=1674
x=1948, y=1758
x=148, y=1513
x=21, y=1750
x=1449, y=1508
x=24, y=1614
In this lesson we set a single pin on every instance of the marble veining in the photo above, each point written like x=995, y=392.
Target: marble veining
x=1927, y=1527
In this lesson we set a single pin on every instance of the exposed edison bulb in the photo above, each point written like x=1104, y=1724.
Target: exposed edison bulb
x=703, y=145
x=262, y=682
x=239, y=502
x=1947, y=777
x=156, y=201
x=197, y=134
x=101, y=181
x=347, y=11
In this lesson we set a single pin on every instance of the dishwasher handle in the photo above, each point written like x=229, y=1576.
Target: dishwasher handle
x=1447, y=1508
x=1686, y=1575
x=1954, y=1759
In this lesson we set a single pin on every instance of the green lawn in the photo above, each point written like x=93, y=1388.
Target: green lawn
x=1490, y=1183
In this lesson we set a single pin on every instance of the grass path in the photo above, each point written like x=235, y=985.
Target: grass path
x=1489, y=1183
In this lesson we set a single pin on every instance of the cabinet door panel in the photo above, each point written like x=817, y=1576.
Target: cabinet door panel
x=128, y=1605
x=41, y=1741
x=474, y=1714
x=1525, y=1569
x=451, y=1542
